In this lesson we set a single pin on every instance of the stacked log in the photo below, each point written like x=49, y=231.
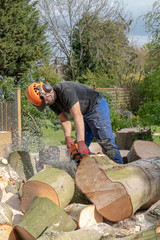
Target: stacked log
x=84, y=215
x=113, y=192
x=41, y=214
x=119, y=190
x=143, y=149
x=53, y=183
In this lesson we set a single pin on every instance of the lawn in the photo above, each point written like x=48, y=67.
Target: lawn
x=56, y=138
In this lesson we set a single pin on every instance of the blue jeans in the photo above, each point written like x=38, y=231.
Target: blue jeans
x=98, y=124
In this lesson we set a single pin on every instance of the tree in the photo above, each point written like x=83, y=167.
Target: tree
x=22, y=37
x=103, y=48
x=152, y=23
x=62, y=16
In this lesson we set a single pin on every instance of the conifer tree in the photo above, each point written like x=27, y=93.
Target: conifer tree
x=22, y=37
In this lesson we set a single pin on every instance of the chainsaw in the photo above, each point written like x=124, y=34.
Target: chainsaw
x=75, y=155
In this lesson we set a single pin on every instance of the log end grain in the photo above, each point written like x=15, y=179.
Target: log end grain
x=7, y=232
x=89, y=217
x=31, y=189
x=110, y=198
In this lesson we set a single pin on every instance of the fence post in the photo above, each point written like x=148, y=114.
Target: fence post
x=16, y=121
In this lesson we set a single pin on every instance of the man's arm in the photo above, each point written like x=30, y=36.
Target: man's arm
x=78, y=121
x=66, y=124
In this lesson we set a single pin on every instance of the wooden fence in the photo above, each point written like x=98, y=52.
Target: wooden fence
x=10, y=124
x=120, y=97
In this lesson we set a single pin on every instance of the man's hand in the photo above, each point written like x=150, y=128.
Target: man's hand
x=69, y=141
x=82, y=148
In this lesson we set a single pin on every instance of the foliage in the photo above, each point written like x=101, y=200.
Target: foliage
x=6, y=89
x=83, y=33
x=32, y=120
x=103, y=48
x=22, y=37
x=152, y=23
x=122, y=118
x=149, y=109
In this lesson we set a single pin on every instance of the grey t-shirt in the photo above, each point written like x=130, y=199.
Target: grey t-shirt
x=68, y=93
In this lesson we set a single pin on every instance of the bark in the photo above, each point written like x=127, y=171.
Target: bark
x=94, y=232
x=143, y=149
x=6, y=214
x=42, y=214
x=53, y=183
x=126, y=136
x=118, y=190
x=7, y=232
x=20, y=161
x=84, y=215
x=9, y=179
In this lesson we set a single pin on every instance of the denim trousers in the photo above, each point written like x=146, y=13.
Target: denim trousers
x=98, y=125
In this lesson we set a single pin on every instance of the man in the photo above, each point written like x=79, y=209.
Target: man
x=88, y=108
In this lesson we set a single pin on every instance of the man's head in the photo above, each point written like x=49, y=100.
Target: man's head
x=40, y=95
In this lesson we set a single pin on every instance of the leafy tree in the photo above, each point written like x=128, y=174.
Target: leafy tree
x=64, y=16
x=152, y=23
x=22, y=37
x=104, y=49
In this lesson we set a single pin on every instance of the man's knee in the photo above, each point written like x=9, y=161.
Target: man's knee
x=111, y=150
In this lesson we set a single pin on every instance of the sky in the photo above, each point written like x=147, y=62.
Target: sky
x=138, y=8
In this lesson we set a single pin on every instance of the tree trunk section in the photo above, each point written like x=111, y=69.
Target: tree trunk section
x=143, y=149
x=118, y=190
x=7, y=232
x=6, y=214
x=126, y=136
x=94, y=232
x=42, y=214
x=20, y=161
x=53, y=183
x=84, y=215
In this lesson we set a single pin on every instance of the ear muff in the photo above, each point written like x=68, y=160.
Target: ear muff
x=47, y=87
x=36, y=94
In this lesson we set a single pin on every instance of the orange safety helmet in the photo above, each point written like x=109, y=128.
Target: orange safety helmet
x=36, y=94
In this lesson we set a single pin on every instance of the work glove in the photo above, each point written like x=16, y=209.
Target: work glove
x=69, y=141
x=82, y=148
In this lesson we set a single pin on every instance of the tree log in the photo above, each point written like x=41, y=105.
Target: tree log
x=6, y=214
x=143, y=149
x=7, y=232
x=20, y=161
x=53, y=183
x=118, y=190
x=94, y=232
x=126, y=136
x=42, y=214
x=84, y=215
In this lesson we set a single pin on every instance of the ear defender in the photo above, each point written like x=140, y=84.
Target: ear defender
x=47, y=87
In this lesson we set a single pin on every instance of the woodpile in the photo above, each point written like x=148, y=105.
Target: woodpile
x=45, y=200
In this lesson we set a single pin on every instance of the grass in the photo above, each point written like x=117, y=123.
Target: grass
x=56, y=138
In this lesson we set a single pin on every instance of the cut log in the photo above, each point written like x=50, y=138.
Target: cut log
x=53, y=183
x=7, y=232
x=118, y=190
x=147, y=234
x=8, y=178
x=94, y=233
x=124, y=154
x=126, y=136
x=6, y=214
x=84, y=215
x=43, y=213
x=20, y=161
x=143, y=149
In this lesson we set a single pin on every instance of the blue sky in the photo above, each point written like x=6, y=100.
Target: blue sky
x=137, y=8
